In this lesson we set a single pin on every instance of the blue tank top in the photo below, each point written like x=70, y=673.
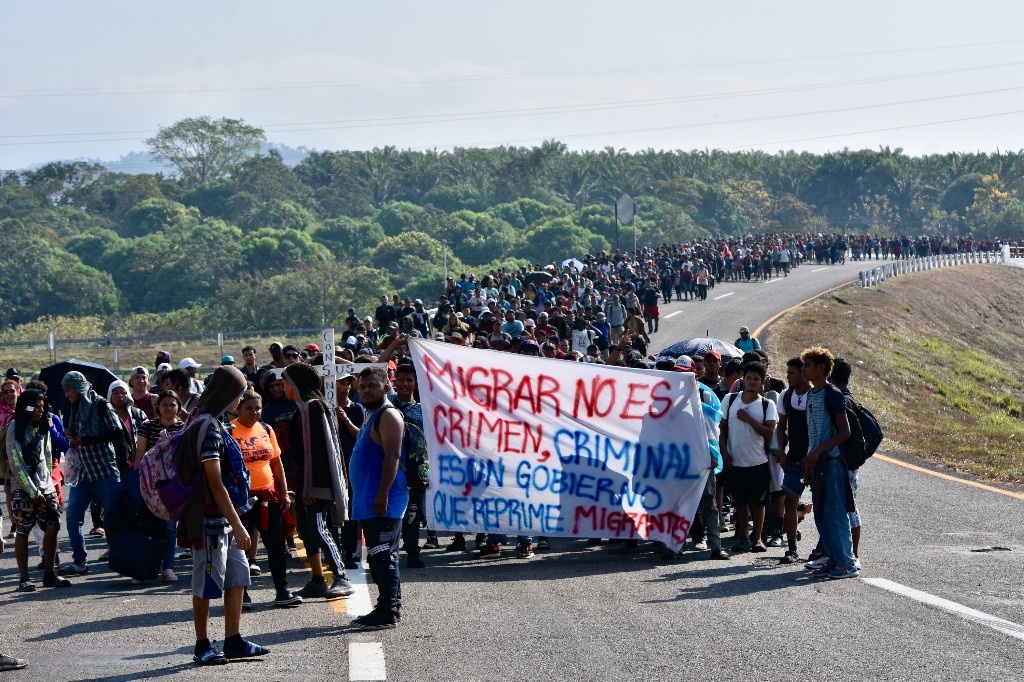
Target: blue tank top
x=365, y=470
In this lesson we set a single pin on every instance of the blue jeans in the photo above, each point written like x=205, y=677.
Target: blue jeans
x=833, y=519
x=105, y=490
x=382, y=535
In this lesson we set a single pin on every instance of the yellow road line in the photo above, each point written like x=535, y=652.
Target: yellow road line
x=947, y=477
x=757, y=332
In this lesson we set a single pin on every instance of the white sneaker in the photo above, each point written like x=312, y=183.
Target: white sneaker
x=856, y=563
x=817, y=564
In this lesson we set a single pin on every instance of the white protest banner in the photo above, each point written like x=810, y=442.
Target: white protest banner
x=533, y=446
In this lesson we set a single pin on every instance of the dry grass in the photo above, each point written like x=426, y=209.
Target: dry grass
x=938, y=357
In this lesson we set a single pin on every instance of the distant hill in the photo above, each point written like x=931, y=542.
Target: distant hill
x=135, y=163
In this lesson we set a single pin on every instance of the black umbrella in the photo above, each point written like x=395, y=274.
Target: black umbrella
x=701, y=345
x=537, y=278
x=99, y=376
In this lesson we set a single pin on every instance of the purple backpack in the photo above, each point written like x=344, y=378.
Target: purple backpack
x=163, y=490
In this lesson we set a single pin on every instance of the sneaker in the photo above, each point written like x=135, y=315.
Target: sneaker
x=525, y=551
x=98, y=533
x=816, y=553
x=26, y=586
x=719, y=554
x=841, y=572
x=105, y=556
x=431, y=543
x=741, y=545
x=210, y=656
x=74, y=569
x=11, y=663
x=375, y=620
x=254, y=570
x=776, y=541
x=341, y=587
x=823, y=570
x=287, y=600
x=414, y=562
x=790, y=557
x=313, y=590
x=542, y=543
x=246, y=601
x=488, y=550
x=700, y=546
x=351, y=564
x=758, y=547
x=456, y=545
x=169, y=576
x=856, y=563
x=815, y=564
x=53, y=580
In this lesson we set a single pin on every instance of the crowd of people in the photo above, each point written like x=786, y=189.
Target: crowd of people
x=335, y=479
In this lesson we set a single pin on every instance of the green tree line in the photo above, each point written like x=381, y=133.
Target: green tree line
x=245, y=241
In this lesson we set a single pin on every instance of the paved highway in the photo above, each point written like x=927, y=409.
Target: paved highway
x=940, y=597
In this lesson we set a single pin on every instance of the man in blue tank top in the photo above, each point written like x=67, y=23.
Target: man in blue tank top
x=380, y=495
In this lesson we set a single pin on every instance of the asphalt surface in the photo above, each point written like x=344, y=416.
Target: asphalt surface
x=584, y=613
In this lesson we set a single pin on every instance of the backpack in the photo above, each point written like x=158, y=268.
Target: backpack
x=414, y=453
x=865, y=434
x=167, y=494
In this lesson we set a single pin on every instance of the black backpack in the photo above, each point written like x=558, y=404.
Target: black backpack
x=865, y=434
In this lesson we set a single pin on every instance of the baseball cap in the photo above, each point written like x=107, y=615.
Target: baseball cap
x=12, y=373
x=439, y=336
x=351, y=341
x=713, y=354
x=163, y=356
x=418, y=302
x=683, y=364
x=139, y=370
x=227, y=360
x=188, y=362
x=163, y=367
x=744, y=329
x=312, y=348
x=530, y=323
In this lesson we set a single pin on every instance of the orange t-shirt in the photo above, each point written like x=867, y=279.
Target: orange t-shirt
x=259, y=447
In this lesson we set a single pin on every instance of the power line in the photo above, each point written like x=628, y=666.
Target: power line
x=218, y=88
x=516, y=113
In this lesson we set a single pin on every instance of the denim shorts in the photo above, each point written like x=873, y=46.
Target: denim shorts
x=218, y=566
x=793, y=481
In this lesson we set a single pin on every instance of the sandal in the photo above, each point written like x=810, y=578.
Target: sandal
x=26, y=586
x=211, y=656
x=248, y=650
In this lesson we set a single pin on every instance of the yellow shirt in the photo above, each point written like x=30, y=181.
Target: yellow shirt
x=259, y=447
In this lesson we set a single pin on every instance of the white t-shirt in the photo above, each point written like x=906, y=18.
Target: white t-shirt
x=746, y=446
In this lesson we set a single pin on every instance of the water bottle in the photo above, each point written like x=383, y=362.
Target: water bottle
x=72, y=467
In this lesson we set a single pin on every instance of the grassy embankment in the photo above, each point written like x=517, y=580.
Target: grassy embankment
x=938, y=356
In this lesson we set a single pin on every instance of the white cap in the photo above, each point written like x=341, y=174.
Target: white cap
x=188, y=362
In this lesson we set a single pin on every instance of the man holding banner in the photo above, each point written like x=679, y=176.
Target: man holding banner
x=560, y=449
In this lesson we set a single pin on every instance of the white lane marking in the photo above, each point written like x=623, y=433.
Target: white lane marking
x=772, y=280
x=358, y=603
x=366, y=661
x=673, y=314
x=1006, y=627
x=724, y=295
x=819, y=269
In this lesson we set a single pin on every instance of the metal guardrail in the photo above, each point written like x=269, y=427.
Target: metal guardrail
x=870, y=278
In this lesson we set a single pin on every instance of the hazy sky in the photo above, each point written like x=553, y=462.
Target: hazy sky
x=94, y=79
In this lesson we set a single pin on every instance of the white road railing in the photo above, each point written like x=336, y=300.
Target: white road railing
x=870, y=278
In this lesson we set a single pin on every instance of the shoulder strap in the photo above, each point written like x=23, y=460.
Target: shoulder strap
x=787, y=395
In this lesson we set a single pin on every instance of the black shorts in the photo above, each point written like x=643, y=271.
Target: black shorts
x=749, y=485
